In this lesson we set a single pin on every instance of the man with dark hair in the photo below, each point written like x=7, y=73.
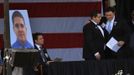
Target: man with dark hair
x=94, y=38
x=44, y=58
x=118, y=29
x=39, y=42
x=20, y=31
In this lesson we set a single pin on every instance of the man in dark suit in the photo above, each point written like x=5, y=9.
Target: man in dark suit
x=118, y=29
x=131, y=21
x=131, y=43
x=94, y=38
x=43, y=58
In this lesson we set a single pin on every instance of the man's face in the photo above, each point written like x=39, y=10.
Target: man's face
x=40, y=40
x=20, y=29
x=109, y=15
x=97, y=18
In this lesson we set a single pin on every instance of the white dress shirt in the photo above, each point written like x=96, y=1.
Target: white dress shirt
x=109, y=25
x=38, y=46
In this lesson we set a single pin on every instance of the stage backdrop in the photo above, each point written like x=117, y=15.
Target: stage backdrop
x=61, y=21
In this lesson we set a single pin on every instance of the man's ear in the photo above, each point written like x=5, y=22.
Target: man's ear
x=93, y=17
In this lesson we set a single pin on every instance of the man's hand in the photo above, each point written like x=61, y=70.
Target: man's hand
x=48, y=62
x=121, y=43
x=98, y=56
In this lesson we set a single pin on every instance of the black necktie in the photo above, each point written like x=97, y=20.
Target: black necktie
x=42, y=54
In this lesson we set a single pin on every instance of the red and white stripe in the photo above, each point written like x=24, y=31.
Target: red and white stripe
x=61, y=21
x=29, y=1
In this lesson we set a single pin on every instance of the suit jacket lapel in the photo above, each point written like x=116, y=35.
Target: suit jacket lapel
x=36, y=47
x=98, y=31
x=114, y=26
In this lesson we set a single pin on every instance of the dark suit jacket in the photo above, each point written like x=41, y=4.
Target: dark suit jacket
x=131, y=44
x=40, y=61
x=131, y=25
x=93, y=41
x=46, y=57
x=131, y=41
x=120, y=32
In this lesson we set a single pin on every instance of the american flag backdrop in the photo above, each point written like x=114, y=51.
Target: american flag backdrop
x=61, y=22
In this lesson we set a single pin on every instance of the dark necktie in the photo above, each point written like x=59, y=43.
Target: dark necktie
x=43, y=54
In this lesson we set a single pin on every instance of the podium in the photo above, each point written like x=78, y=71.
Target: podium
x=23, y=57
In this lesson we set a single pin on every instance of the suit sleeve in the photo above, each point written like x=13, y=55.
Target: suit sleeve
x=89, y=43
x=131, y=44
x=126, y=31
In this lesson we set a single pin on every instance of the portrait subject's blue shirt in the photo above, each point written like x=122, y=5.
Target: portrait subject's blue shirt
x=17, y=44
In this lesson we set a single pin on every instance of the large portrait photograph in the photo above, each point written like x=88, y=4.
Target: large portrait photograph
x=20, y=30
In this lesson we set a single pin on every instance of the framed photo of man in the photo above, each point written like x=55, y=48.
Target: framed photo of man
x=20, y=30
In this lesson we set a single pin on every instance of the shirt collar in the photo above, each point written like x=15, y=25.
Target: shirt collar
x=112, y=19
x=38, y=46
x=94, y=22
x=20, y=44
